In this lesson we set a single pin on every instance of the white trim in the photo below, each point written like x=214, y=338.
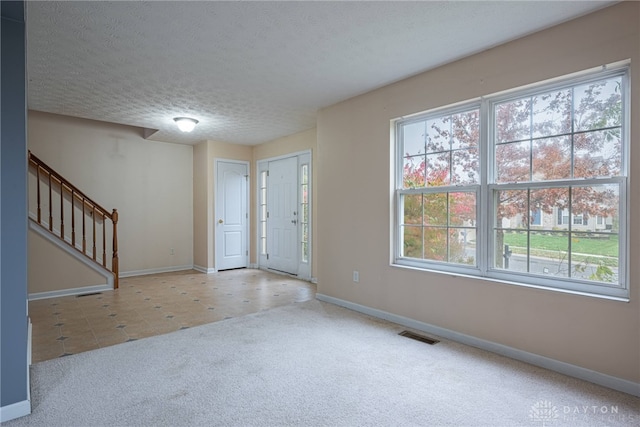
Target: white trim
x=70, y=291
x=29, y=348
x=108, y=275
x=15, y=410
x=604, y=380
x=156, y=270
x=314, y=280
x=204, y=270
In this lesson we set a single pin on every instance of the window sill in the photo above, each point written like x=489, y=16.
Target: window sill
x=510, y=282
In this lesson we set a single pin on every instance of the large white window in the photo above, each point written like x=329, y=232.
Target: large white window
x=517, y=187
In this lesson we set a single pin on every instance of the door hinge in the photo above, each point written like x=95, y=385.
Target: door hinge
x=267, y=214
x=246, y=253
x=246, y=215
x=267, y=257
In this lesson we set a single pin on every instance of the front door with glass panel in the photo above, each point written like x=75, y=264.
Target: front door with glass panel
x=284, y=190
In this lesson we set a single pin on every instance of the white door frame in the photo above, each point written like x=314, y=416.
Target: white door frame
x=304, y=268
x=216, y=213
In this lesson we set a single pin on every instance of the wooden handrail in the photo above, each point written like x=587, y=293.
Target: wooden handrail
x=89, y=207
x=79, y=194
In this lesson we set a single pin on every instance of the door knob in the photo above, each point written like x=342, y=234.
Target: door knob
x=293, y=221
x=220, y=221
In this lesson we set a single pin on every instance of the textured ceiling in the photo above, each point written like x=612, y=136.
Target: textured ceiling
x=251, y=72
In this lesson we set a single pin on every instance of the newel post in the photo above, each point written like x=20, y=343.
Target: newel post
x=114, y=262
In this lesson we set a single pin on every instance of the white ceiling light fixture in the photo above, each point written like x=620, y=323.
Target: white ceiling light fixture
x=185, y=124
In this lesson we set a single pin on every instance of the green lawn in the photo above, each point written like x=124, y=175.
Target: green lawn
x=594, y=246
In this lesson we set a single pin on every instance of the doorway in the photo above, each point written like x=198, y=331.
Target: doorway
x=231, y=214
x=284, y=214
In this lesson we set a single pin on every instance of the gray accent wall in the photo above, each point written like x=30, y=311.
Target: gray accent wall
x=13, y=208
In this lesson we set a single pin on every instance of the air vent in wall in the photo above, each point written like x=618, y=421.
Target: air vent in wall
x=88, y=295
x=418, y=337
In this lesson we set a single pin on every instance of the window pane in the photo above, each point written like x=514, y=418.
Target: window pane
x=511, y=250
x=552, y=158
x=304, y=171
x=512, y=121
x=438, y=169
x=597, y=154
x=412, y=241
x=435, y=243
x=596, y=200
x=412, y=205
x=551, y=113
x=598, y=105
x=549, y=253
x=511, y=208
x=435, y=209
x=413, y=138
x=464, y=168
x=462, y=209
x=547, y=202
x=465, y=129
x=461, y=248
x=305, y=213
x=305, y=194
x=439, y=134
x=413, y=172
x=512, y=162
x=594, y=257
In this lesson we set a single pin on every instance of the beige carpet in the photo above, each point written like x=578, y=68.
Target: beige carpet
x=310, y=364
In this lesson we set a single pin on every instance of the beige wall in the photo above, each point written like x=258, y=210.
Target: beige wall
x=51, y=269
x=354, y=205
x=202, y=207
x=301, y=141
x=150, y=183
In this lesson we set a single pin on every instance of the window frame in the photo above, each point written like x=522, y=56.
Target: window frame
x=445, y=189
x=486, y=213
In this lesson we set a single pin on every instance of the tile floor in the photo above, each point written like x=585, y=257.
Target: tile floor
x=150, y=305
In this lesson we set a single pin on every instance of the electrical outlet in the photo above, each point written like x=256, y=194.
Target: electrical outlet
x=171, y=251
x=356, y=276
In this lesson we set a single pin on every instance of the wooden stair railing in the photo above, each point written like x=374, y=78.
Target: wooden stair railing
x=73, y=199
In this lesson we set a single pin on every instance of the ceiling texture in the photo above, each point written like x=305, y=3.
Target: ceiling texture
x=251, y=72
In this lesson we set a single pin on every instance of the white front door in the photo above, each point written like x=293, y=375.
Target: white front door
x=282, y=223
x=231, y=215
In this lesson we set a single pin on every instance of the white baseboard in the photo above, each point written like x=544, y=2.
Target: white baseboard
x=605, y=380
x=204, y=270
x=314, y=280
x=72, y=291
x=155, y=270
x=15, y=410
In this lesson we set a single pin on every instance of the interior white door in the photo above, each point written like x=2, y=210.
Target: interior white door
x=231, y=215
x=282, y=222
